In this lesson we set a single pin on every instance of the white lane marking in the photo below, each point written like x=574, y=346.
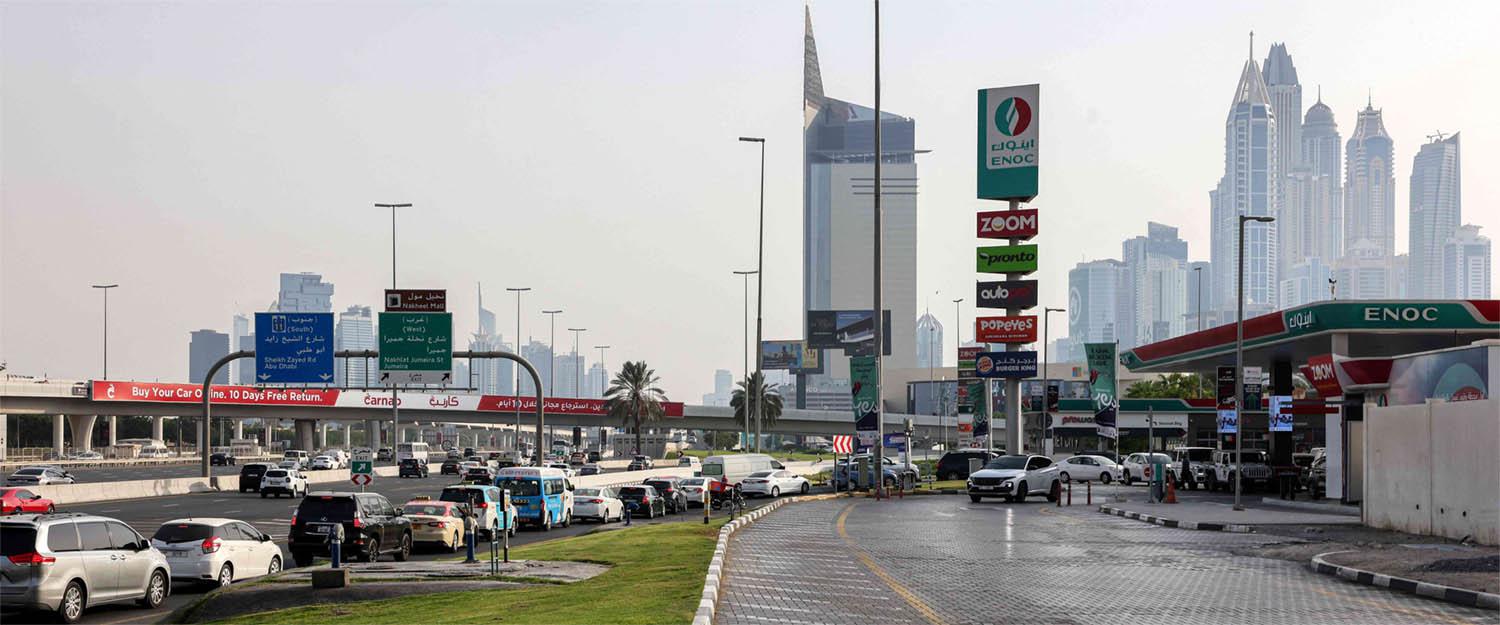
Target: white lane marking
x=170, y=505
x=110, y=510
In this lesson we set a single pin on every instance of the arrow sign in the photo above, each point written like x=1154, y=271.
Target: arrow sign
x=361, y=479
x=293, y=348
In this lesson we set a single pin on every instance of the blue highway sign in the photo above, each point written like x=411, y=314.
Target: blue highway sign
x=293, y=348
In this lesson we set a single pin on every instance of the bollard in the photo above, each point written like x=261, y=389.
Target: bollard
x=705, y=504
x=336, y=544
x=1089, y=491
x=1057, y=494
x=1070, y=493
x=334, y=549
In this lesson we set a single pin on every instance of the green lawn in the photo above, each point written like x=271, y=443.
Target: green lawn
x=657, y=577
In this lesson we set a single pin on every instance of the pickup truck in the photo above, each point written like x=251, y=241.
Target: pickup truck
x=1014, y=478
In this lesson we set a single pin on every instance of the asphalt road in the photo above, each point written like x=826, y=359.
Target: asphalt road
x=121, y=473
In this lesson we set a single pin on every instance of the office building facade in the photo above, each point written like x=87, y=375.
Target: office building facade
x=304, y=292
x=1370, y=186
x=206, y=347
x=1467, y=264
x=1248, y=187
x=355, y=331
x=1096, y=293
x=1155, y=286
x=1436, y=212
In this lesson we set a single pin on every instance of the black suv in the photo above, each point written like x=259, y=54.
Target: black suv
x=671, y=491
x=221, y=458
x=372, y=526
x=451, y=467
x=250, y=475
x=411, y=467
x=954, y=465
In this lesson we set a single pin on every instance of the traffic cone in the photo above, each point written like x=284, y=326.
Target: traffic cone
x=1171, y=492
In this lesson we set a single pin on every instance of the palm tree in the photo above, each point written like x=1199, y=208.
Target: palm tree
x=769, y=406
x=633, y=397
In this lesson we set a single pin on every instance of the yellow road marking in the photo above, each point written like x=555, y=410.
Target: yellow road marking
x=911, y=598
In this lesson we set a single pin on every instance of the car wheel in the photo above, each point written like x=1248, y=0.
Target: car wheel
x=156, y=591
x=1021, y=492
x=302, y=559
x=1104, y=477
x=1128, y=480
x=547, y=522
x=775, y=491
x=275, y=566
x=226, y=575
x=1065, y=477
x=973, y=498
x=70, y=609
x=804, y=488
x=372, y=550
x=262, y=495
x=404, y=552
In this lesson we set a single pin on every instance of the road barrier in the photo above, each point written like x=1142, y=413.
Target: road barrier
x=64, y=494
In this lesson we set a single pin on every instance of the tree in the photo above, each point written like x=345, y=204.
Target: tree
x=768, y=409
x=1171, y=385
x=633, y=397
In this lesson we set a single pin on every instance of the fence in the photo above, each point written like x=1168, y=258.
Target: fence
x=1429, y=469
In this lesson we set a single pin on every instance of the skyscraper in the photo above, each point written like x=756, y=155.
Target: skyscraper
x=1096, y=291
x=723, y=387
x=1467, y=264
x=1280, y=76
x=568, y=367
x=838, y=189
x=929, y=342
x=304, y=292
x=355, y=331
x=242, y=371
x=595, y=381
x=1311, y=219
x=489, y=375
x=1436, y=212
x=1249, y=187
x=1370, y=185
x=206, y=347
x=1155, y=286
x=539, y=354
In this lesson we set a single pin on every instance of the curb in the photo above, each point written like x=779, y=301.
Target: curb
x=1312, y=507
x=1186, y=525
x=1471, y=598
x=708, y=602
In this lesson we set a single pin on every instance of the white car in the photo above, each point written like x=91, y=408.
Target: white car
x=280, y=482
x=1088, y=469
x=323, y=463
x=1014, y=478
x=291, y=465
x=39, y=476
x=1135, y=467
x=566, y=468
x=773, y=483
x=597, y=503
x=88, y=455
x=693, y=487
x=216, y=551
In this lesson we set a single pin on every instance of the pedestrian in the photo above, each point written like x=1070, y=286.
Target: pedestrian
x=1185, y=476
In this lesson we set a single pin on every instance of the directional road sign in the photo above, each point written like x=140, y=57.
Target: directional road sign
x=293, y=348
x=416, y=348
x=361, y=479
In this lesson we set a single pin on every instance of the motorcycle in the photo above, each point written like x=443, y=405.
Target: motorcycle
x=719, y=495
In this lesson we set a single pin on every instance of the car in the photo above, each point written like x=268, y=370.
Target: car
x=450, y=467
x=216, y=551
x=1136, y=467
x=1107, y=453
x=384, y=454
x=690, y=462
x=482, y=474
x=322, y=463
x=435, y=523
x=22, y=501
x=893, y=472
x=298, y=455
x=154, y=452
x=454, y=453
x=39, y=476
x=1087, y=469
x=1199, y=460
x=372, y=527
x=1316, y=478
x=289, y=482
x=774, y=483
x=643, y=500
x=578, y=458
x=469, y=451
x=641, y=463
x=485, y=501
x=600, y=504
x=67, y=563
x=340, y=459
x=955, y=465
x=1015, y=477
x=291, y=465
x=590, y=469
x=1257, y=470
x=595, y=456
x=251, y=474
x=411, y=467
x=543, y=496
x=694, y=488
x=669, y=490
x=88, y=455
x=566, y=468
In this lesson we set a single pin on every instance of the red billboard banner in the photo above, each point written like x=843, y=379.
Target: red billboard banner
x=559, y=405
x=105, y=390
x=1018, y=329
x=1016, y=224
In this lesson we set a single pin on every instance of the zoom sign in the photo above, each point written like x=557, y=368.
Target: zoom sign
x=1017, y=294
x=1020, y=329
x=1016, y=224
x=1006, y=259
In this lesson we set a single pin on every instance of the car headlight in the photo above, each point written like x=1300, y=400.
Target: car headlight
x=1005, y=485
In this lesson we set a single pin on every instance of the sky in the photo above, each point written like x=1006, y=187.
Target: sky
x=191, y=152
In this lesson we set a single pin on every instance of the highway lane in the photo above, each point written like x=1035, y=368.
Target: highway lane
x=120, y=473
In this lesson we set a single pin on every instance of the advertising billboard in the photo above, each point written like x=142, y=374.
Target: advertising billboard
x=1009, y=120
x=1017, y=294
x=780, y=355
x=850, y=330
x=1005, y=259
x=1017, y=329
x=1006, y=365
x=1101, y=360
x=1453, y=375
x=1016, y=224
x=1280, y=418
x=866, y=404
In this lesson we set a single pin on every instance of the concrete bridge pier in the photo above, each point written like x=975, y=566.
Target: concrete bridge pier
x=239, y=429
x=113, y=429
x=322, y=435
x=304, y=434
x=267, y=426
x=83, y=431
x=57, y=436
x=158, y=429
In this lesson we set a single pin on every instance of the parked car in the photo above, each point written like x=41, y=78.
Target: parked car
x=1200, y=461
x=67, y=563
x=892, y=474
x=669, y=490
x=438, y=523
x=1136, y=465
x=1088, y=469
x=39, y=476
x=411, y=467
x=590, y=469
x=1257, y=472
x=372, y=527
x=323, y=463
x=88, y=455
x=485, y=500
x=251, y=474
x=384, y=454
x=216, y=551
x=641, y=463
x=955, y=464
x=774, y=483
x=643, y=500
x=693, y=488
x=1015, y=477
x=22, y=501
x=600, y=504
x=289, y=482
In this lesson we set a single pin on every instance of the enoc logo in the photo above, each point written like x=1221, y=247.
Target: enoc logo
x=1013, y=116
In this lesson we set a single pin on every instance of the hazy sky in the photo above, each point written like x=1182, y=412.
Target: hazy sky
x=191, y=152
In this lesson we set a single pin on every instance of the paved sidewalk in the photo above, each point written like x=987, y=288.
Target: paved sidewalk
x=1214, y=512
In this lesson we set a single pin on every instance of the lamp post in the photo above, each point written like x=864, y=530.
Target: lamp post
x=517, y=370
x=105, y=289
x=602, y=387
x=1199, y=271
x=395, y=401
x=746, y=344
x=760, y=253
x=958, y=376
x=1239, y=353
x=552, y=366
x=876, y=270
x=1047, y=442
x=577, y=362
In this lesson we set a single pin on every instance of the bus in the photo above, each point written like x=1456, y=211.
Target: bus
x=542, y=496
x=415, y=450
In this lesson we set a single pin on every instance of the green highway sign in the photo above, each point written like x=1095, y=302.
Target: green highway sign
x=416, y=348
x=362, y=467
x=1017, y=259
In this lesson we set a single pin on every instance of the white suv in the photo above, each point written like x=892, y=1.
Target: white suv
x=280, y=482
x=216, y=551
x=1014, y=478
x=1137, y=465
x=1257, y=472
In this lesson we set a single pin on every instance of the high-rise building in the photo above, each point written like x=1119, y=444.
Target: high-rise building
x=838, y=192
x=206, y=347
x=1096, y=293
x=596, y=381
x=567, y=369
x=723, y=389
x=304, y=292
x=1436, y=212
x=929, y=342
x=238, y=369
x=1249, y=187
x=1364, y=272
x=1306, y=282
x=1155, y=285
x=493, y=376
x=539, y=354
x=1323, y=194
x=355, y=331
x=1467, y=264
x=1280, y=76
x=246, y=372
x=1370, y=185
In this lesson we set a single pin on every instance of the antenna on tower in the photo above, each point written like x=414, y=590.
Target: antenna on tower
x=1252, y=45
x=1436, y=137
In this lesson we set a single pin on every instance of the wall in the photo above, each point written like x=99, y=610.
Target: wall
x=1429, y=469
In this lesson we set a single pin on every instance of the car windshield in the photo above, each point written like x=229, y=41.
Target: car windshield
x=1258, y=457
x=520, y=488
x=276, y=473
x=1200, y=455
x=183, y=533
x=1007, y=462
x=409, y=462
x=587, y=492
x=632, y=492
x=16, y=539
x=1159, y=458
x=252, y=469
x=326, y=508
x=428, y=509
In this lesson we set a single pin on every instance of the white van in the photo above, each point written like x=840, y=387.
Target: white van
x=735, y=467
x=298, y=455
x=414, y=450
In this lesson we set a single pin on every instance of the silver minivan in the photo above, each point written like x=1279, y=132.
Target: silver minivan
x=65, y=563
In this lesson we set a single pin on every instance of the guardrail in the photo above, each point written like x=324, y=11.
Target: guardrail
x=9, y=467
x=65, y=494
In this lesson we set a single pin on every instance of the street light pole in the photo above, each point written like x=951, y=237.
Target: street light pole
x=746, y=344
x=760, y=253
x=875, y=311
x=602, y=387
x=395, y=401
x=517, y=388
x=1239, y=353
x=577, y=362
x=1199, y=271
x=105, y=288
x=1047, y=442
x=552, y=366
x=958, y=376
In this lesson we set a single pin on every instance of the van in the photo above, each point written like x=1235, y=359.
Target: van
x=735, y=467
x=542, y=496
x=297, y=454
x=413, y=451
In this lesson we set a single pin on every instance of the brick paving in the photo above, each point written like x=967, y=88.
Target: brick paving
x=992, y=562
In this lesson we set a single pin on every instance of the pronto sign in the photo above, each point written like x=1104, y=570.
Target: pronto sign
x=1006, y=259
x=1018, y=329
x=1016, y=224
x=1009, y=119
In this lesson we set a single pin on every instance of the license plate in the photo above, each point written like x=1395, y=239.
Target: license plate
x=319, y=528
x=175, y=553
x=984, y=488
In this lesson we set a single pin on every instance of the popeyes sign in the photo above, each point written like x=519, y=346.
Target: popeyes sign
x=1016, y=224
x=1018, y=329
